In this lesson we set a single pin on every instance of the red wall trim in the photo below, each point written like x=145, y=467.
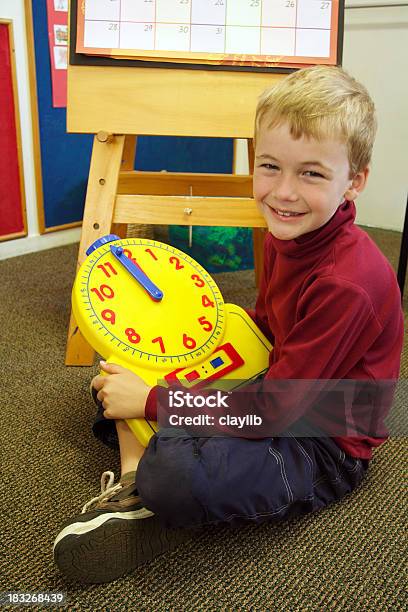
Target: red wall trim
x=11, y=201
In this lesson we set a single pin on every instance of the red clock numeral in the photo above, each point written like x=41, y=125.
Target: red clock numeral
x=200, y=282
x=151, y=253
x=207, y=326
x=109, y=316
x=175, y=260
x=206, y=302
x=159, y=339
x=132, y=335
x=107, y=268
x=103, y=292
x=128, y=253
x=188, y=342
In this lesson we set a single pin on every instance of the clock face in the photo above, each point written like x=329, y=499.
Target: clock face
x=118, y=316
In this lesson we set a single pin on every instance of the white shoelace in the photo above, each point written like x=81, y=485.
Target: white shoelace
x=108, y=490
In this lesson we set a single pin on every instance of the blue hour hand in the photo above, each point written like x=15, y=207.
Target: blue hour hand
x=154, y=292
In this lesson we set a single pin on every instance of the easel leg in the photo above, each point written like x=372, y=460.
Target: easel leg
x=98, y=213
x=129, y=152
x=258, y=237
x=258, y=233
x=128, y=163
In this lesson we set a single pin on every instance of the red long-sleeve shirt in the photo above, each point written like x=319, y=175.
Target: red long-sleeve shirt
x=330, y=304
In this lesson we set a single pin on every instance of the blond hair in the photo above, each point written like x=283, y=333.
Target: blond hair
x=322, y=102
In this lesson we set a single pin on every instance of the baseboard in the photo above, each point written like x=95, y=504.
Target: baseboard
x=31, y=244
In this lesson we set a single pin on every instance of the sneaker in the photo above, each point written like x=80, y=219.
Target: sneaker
x=109, y=539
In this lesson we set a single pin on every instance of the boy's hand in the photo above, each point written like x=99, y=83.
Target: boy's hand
x=122, y=393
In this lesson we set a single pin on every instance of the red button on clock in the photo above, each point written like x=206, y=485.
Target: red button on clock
x=192, y=376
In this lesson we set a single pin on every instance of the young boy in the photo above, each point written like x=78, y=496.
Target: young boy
x=330, y=305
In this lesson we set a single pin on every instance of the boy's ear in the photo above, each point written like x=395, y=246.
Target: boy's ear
x=357, y=184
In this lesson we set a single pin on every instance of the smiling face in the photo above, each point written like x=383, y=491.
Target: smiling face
x=299, y=184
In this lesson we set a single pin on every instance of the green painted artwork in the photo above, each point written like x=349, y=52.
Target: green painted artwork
x=217, y=249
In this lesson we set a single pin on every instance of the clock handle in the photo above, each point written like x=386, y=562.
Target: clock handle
x=154, y=292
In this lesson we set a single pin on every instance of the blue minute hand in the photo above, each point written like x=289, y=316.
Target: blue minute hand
x=137, y=273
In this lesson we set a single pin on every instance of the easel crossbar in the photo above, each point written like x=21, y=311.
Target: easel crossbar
x=187, y=210
x=184, y=183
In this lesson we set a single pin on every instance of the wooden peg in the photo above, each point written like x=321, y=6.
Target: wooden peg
x=104, y=137
x=189, y=211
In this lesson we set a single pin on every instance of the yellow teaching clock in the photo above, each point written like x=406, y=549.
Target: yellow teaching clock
x=153, y=309
x=154, y=306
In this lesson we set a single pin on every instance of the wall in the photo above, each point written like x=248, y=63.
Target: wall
x=374, y=44
x=375, y=52
x=14, y=9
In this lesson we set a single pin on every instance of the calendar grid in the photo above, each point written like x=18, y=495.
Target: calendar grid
x=191, y=20
x=211, y=30
x=155, y=21
x=296, y=20
x=120, y=12
x=235, y=25
x=275, y=27
x=225, y=29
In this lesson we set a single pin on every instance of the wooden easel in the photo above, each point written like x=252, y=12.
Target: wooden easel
x=119, y=103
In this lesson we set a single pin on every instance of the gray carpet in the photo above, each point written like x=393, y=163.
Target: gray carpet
x=351, y=556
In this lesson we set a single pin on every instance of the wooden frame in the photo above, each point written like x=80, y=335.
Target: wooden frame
x=34, y=114
x=119, y=103
x=162, y=101
x=35, y=121
x=21, y=234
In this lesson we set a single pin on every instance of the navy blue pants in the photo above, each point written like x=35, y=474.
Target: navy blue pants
x=191, y=481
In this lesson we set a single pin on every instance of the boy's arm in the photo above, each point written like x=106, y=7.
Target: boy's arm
x=260, y=315
x=335, y=327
